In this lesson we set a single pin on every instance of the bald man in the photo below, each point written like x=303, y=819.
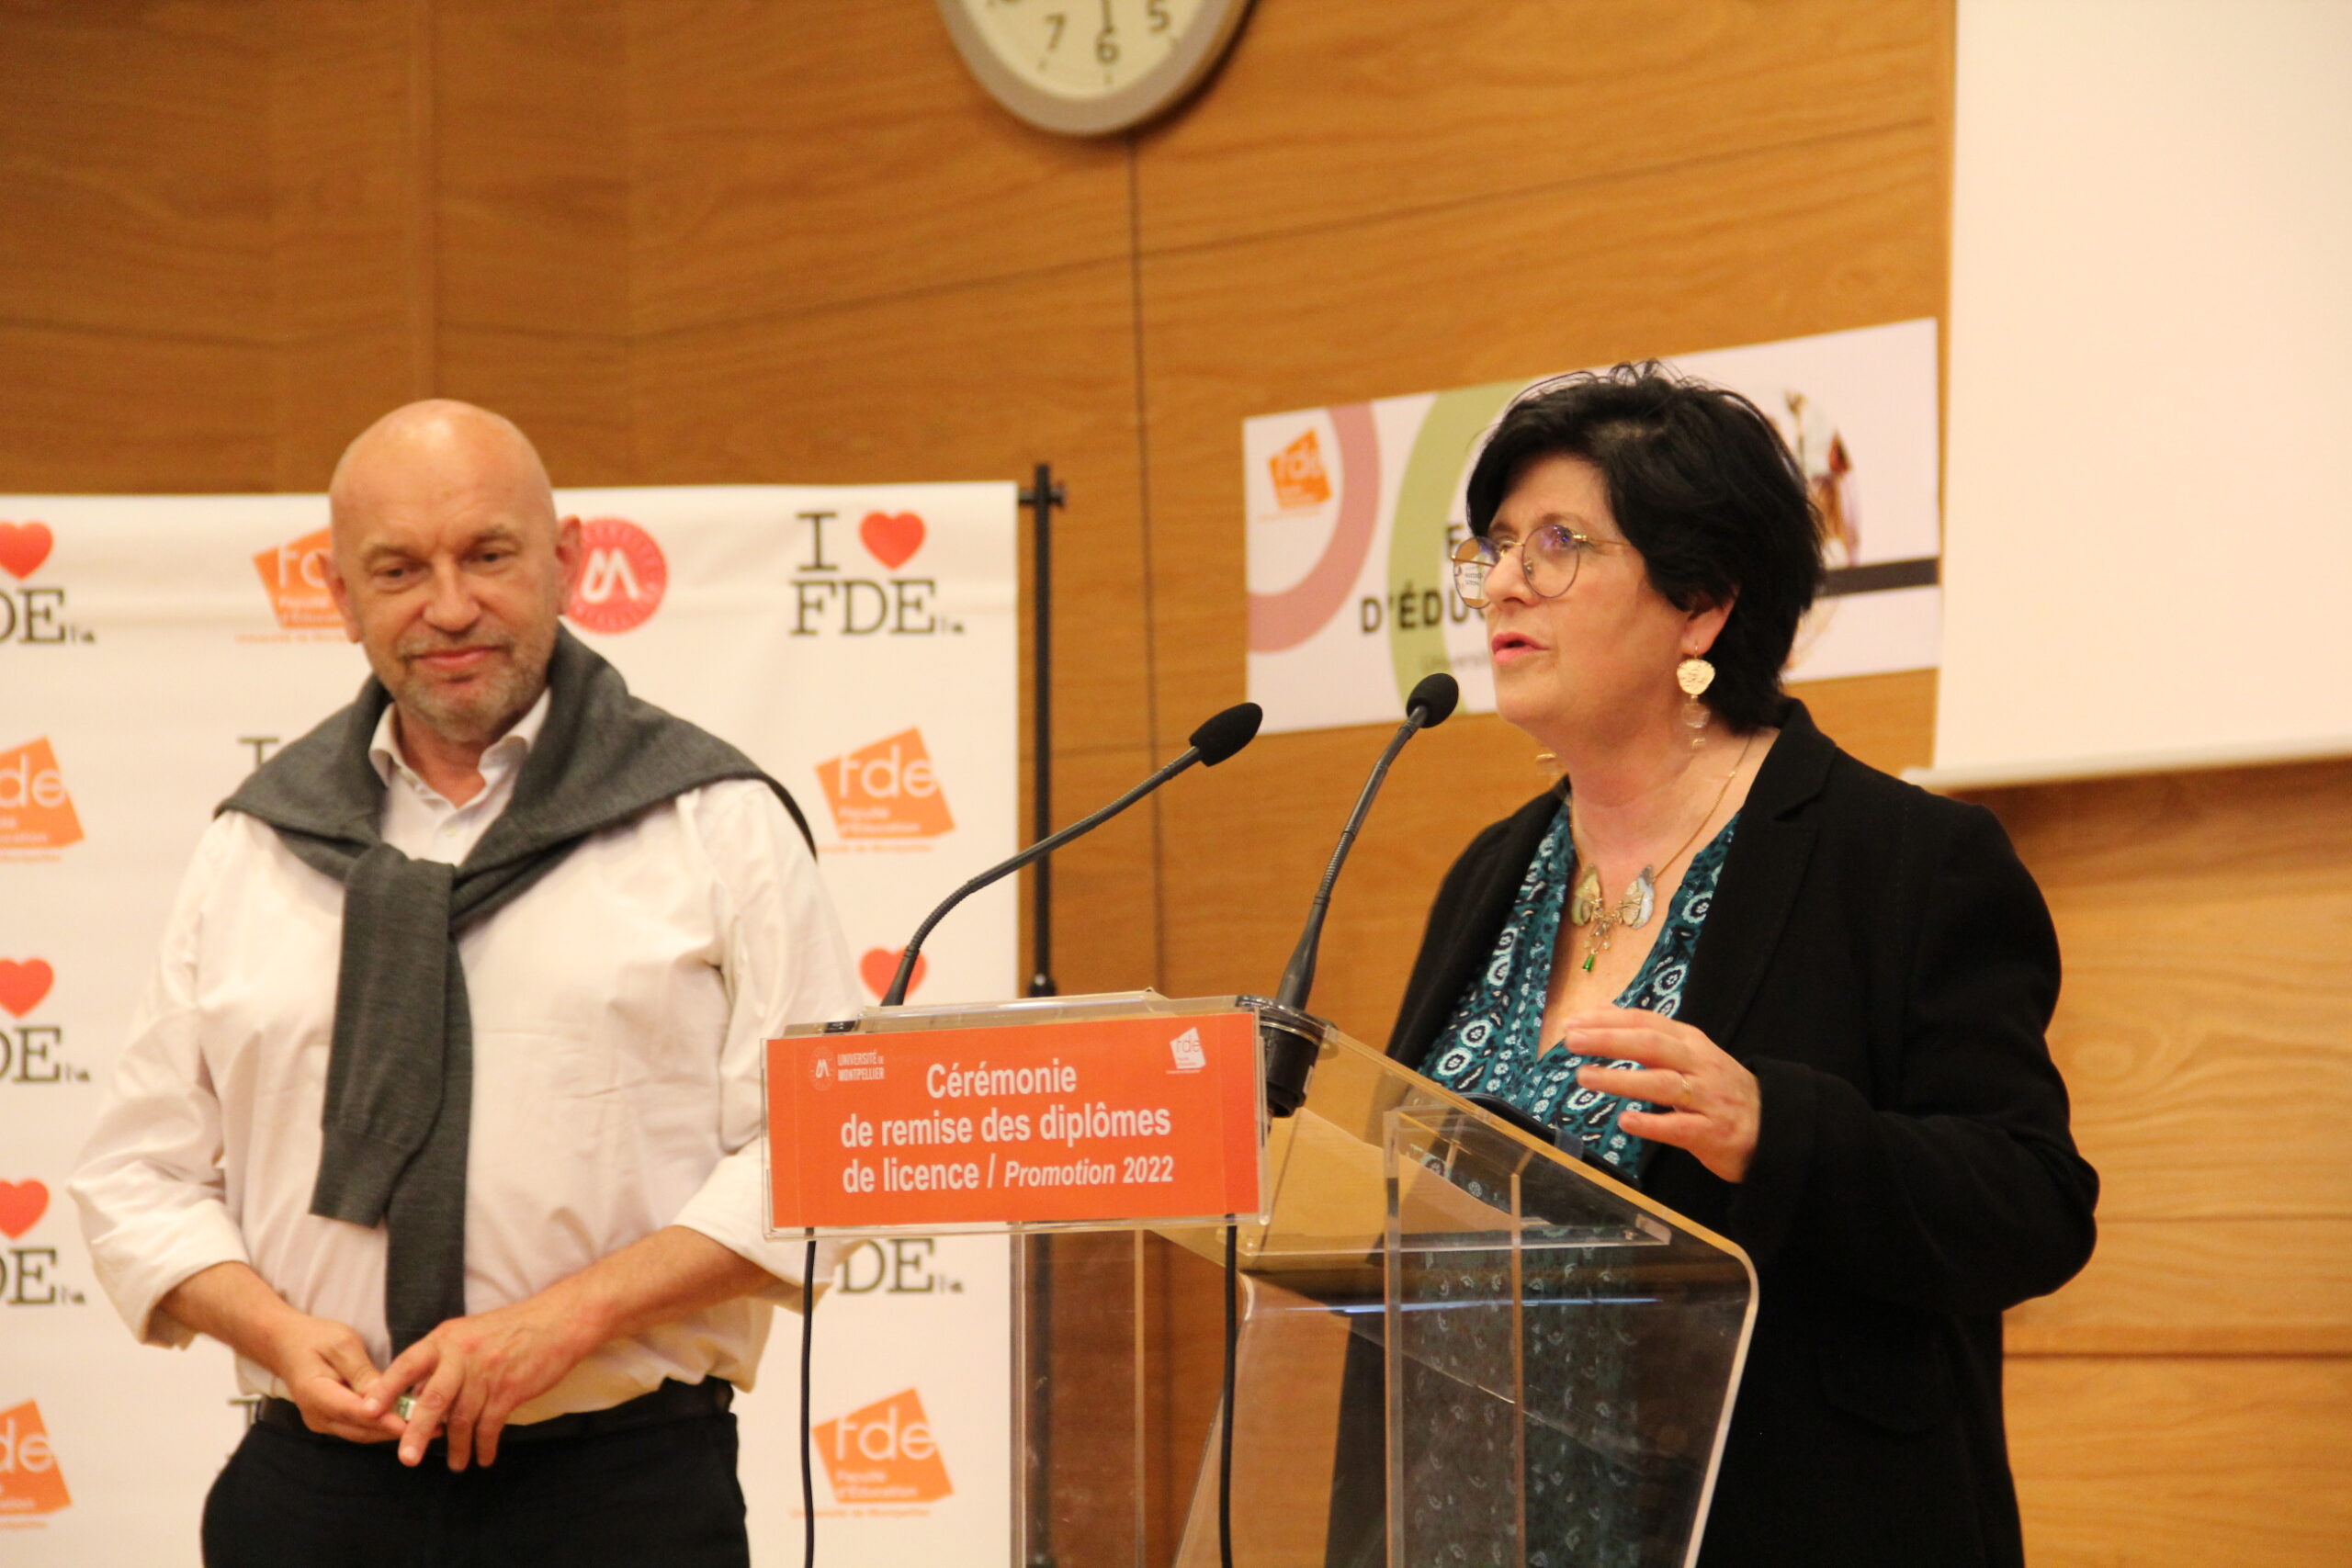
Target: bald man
x=442, y=1108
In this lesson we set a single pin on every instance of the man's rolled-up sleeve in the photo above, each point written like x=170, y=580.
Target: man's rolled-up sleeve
x=150, y=1186
x=786, y=963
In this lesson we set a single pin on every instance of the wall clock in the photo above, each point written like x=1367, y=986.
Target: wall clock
x=1085, y=67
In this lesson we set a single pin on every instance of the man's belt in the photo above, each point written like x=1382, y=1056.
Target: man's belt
x=674, y=1401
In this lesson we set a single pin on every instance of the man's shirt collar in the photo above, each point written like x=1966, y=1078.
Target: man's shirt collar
x=504, y=755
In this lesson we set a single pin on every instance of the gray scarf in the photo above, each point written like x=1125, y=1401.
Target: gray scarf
x=399, y=1074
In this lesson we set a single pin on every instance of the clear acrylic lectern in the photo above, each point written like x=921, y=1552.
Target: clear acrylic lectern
x=1457, y=1344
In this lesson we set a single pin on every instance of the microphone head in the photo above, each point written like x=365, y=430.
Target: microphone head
x=1221, y=734
x=1436, y=694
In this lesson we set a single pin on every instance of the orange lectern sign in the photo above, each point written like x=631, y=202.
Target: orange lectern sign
x=1152, y=1118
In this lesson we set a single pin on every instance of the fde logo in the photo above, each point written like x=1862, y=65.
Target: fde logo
x=36, y=812
x=26, y=1272
x=839, y=595
x=624, y=577
x=1300, y=482
x=30, y=1053
x=31, y=1482
x=886, y=791
x=294, y=574
x=30, y=614
x=884, y=1453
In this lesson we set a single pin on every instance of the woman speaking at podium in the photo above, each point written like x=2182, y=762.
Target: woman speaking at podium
x=1792, y=997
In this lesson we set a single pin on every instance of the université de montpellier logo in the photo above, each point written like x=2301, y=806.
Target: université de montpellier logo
x=623, y=576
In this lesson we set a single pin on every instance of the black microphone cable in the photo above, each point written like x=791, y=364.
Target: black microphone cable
x=808, y=1426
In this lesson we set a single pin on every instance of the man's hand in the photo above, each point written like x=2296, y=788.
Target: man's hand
x=322, y=1364
x=471, y=1373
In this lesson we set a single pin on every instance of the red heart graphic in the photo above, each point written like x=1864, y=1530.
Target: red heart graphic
x=22, y=986
x=880, y=966
x=22, y=1204
x=24, y=546
x=891, y=537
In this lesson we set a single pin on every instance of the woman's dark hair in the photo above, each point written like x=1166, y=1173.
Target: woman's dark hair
x=1702, y=486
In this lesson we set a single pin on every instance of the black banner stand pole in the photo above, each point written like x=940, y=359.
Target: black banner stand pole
x=1041, y=496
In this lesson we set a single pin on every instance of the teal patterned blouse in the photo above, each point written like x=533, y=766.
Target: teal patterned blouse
x=1490, y=1044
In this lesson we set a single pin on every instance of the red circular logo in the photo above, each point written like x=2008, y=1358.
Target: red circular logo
x=622, y=582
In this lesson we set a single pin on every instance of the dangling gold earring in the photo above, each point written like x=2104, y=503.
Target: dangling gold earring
x=1694, y=675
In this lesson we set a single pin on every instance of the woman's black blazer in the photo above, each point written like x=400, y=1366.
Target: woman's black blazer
x=1882, y=962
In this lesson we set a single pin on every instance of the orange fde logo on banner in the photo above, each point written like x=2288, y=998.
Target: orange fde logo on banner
x=36, y=812
x=31, y=1483
x=884, y=1453
x=1300, y=483
x=887, y=790
x=295, y=575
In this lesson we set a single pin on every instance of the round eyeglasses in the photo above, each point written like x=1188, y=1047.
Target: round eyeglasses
x=1548, y=559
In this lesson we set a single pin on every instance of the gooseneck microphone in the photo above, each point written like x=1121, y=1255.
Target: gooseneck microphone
x=1218, y=738
x=1291, y=1045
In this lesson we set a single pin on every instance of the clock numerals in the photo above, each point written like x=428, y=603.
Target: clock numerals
x=1106, y=42
x=1125, y=59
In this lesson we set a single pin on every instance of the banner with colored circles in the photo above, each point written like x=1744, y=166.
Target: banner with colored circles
x=1355, y=509
x=860, y=642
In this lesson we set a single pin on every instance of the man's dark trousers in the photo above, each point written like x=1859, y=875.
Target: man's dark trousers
x=663, y=1493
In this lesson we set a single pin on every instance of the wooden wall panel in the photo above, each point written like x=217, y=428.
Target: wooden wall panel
x=790, y=157
x=531, y=166
x=350, y=227
x=950, y=384
x=2207, y=920
x=2207, y=924
x=2234, y=1287
x=1324, y=115
x=2123, y=1462
x=134, y=248
x=129, y=202
x=102, y=411
x=567, y=391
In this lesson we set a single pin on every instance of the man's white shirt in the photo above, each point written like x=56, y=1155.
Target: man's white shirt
x=619, y=1010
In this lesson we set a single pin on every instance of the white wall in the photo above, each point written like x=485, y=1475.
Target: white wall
x=2147, y=534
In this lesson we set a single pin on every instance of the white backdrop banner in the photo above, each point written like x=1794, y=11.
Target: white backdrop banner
x=1353, y=510
x=860, y=643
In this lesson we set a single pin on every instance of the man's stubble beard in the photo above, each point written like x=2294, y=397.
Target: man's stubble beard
x=500, y=696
